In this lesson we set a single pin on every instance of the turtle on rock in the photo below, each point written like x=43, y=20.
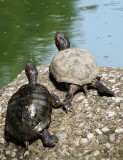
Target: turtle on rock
x=29, y=112
x=76, y=68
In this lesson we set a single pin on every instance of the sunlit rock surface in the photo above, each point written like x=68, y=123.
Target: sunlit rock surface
x=92, y=131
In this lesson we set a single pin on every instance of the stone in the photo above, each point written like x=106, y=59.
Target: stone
x=13, y=154
x=98, y=131
x=105, y=129
x=111, y=113
x=111, y=75
x=8, y=152
x=108, y=145
x=90, y=136
x=64, y=150
x=62, y=136
x=119, y=130
x=84, y=141
x=80, y=98
x=118, y=99
x=112, y=80
x=76, y=142
x=96, y=153
x=112, y=137
x=2, y=141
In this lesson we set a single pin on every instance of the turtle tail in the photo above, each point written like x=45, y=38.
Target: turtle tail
x=103, y=90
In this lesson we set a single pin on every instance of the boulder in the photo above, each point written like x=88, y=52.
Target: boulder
x=93, y=130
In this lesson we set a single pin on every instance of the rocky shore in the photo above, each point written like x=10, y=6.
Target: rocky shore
x=92, y=131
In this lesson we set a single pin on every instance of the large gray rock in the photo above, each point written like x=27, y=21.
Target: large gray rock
x=92, y=131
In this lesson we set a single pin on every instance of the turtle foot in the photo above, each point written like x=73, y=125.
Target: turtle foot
x=67, y=106
x=47, y=139
x=56, y=101
x=103, y=91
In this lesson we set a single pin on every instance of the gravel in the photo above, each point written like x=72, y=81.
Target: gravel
x=92, y=131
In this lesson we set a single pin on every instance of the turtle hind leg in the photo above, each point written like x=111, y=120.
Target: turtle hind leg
x=47, y=139
x=103, y=90
x=67, y=101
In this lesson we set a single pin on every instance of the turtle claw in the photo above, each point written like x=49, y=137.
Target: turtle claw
x=56, y=101
x=85, y=90
x=67, y=106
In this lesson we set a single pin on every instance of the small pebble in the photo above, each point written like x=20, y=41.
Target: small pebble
x=112, y=80
x=111, y=75
x=3, y=158
x=2, y=141
x=118, y=99
x=119, y=130
x=96, y=153
x=105, y=129
x=76, y=142
x=64, y=150
x=13, y=154
x=7, y=152
x=98, y=131
x=108, y=145
x=80, y=98
x=78, y=132
x=62, y=136
x=84, y=141
x=112, y=137
x=90, y=136
x=110, y=113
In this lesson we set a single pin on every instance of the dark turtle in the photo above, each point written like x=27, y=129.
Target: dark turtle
x=77, y=68
x=29, y=112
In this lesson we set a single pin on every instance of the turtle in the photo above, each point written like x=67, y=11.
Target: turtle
x=29, y=111
x=77, y=69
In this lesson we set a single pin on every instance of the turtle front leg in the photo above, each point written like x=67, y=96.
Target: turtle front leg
x=56, y=101
x=67, y=101
x=47, y=139
x=103, y=90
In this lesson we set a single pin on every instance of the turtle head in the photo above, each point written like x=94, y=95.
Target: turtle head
x=61, y=41
x=31, y=73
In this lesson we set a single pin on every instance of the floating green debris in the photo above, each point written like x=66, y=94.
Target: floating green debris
x=93, y=7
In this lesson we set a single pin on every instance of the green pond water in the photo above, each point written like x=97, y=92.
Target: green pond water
x=27, y=28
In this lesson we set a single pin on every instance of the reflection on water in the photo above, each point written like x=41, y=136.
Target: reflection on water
x=27, y=29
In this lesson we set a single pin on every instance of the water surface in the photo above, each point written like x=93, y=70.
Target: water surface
x=27, y=28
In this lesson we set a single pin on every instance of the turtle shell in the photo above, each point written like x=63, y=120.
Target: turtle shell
x=28, y=112
x=74, y=66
